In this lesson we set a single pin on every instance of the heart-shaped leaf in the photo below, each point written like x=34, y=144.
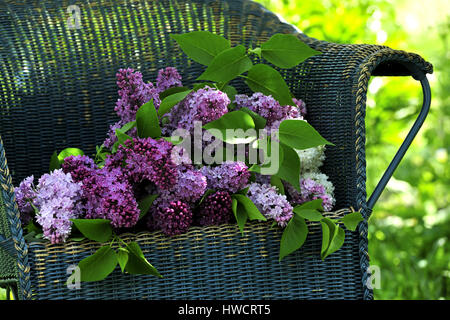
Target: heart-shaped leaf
x=286, y=50
x=99, y=265
x=294, y=235
x=265, y=79
x=94, y=229
x=300, y=135
x=201, y=46
x=227, y=65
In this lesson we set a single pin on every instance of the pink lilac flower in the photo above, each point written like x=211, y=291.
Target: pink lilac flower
x=191, y=185
x=168, y=78
x=215, y=209
x=312, y=190
x=205, y=105
x=79, y=167
x=229, y=176
x=270, y=203
x=267, y=107
x=145, y=159
x=109, y=195
x=174, y=219
x=25, y=194
x=58, y=199
x=133, y=93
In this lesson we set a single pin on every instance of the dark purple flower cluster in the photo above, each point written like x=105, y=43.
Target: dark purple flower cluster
x=110, y=196
x=145, y=159
x=215, y=209
x=176, y=218
x=79, y=167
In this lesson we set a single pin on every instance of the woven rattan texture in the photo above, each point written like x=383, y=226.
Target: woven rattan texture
x=57, y=89
x=207, y=263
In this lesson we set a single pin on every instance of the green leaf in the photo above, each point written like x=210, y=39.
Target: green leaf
x=67, y=152
x=352, y=220
x=289, y=169
x=227, y=65
x=94, y=229
x=54, y=162
x=313, y=204
x=300, y=135
x=122, y=137
x=310, y=214
x=332, y=237
x=145, y=204
x=232, y=121
x=147, y=121
x=239, y=213
x=265, y=79
x=128, y=126
x=294, y=235
x=253, y=212
x=260, y=122
x=137, y=263
x=170, y=101
x=201, y=46
x=230, y=91
x=122, y=257
x=171, y=91
x=286, y=50
x=99, y=265
x=276, y=182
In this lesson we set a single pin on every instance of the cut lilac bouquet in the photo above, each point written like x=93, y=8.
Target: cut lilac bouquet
x=180, y=157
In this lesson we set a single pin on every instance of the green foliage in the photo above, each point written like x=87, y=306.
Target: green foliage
x=409, y=228
x=285, y=51
x=294, y=236
x=300, y=135
x=147, y=121
x=263, y=78
x=94, y=229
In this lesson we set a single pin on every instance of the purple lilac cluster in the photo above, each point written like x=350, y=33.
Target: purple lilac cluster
x=58, y=199
x=311, y=190
x=25, y=195
x=145, y=159
x=109, y=195
x=205, y=105
x=269, y=108
x=190, y=186
x=229, y=176
x=173, y=219
x=79, y=167
x=134, y=92
x=215, y=209
x=168, y=78
x=271, y=204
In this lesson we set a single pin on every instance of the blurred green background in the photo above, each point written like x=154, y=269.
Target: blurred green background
x=410, y=225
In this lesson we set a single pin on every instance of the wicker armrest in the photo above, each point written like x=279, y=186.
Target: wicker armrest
x=336, y=82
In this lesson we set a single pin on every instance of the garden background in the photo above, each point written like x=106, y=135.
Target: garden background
x=410, y=226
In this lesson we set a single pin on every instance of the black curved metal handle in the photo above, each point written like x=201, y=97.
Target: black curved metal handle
x=418, y=75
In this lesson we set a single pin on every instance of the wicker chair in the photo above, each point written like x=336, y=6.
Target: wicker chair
x=57, y=89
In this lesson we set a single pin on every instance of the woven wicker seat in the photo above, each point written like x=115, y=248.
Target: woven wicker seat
x=57, y=89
